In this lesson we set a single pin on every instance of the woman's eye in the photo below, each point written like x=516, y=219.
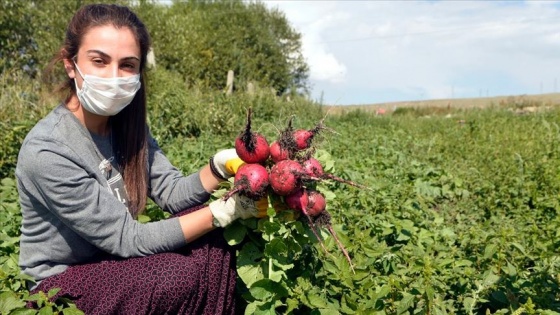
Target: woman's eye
x=98, y=61
x=130, y=67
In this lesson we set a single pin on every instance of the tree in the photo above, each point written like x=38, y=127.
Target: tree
x=199, y=40
x=203, y=40
x=32, y=31
x=17, y=46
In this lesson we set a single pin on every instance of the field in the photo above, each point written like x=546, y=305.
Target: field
x=518, y=101
x=462, y=215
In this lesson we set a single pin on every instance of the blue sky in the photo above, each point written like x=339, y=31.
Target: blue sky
x=366, y=52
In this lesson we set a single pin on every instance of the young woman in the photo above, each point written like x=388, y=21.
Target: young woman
x=85, y=172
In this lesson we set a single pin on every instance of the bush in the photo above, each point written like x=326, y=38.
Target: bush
x=22, y=104
x=177, y=111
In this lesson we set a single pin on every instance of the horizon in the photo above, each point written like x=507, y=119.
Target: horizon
x=364, y=52
x=457, y=99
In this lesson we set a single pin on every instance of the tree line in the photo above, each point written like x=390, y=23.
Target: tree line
x=199, y=41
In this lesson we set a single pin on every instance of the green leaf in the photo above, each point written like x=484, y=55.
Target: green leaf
x=462, y=263
x=72, y=311
x=468, y=304
x=260, y=308
x=248, y=264
x=277, y=275
x=267, y=289
x=276, y=248
x=383, y=292
x=251, y=308
x=270, y=228
x=327, y=311
x=316, y=301
x=329, y=195
x=330, y=267
x=406, y=303
x=250, y=274
x=520, y=248
x=52, y=292
x=500, y=296
x=46, y=310
x=429, y=293
x=23, y=311
x=235, y=233
x=9, y=301
x=489, y=251
x=142, y=218
x=490, y=279
x=509, y=269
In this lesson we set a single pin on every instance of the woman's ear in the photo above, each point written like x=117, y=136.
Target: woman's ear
x=69, y=66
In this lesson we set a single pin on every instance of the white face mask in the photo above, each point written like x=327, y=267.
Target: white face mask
x=106, y=96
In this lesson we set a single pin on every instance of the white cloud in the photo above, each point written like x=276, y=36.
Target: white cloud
x=324, y=66
x=376, y=51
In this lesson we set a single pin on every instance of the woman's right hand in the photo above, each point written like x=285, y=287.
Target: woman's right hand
x=237, y=207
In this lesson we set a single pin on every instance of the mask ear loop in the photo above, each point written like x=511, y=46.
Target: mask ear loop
x=76, y=66
x=78, y=90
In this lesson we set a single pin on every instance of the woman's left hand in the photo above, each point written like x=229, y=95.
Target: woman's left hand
x=225, y=163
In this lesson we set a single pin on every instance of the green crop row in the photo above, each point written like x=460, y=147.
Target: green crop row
x=462, y=214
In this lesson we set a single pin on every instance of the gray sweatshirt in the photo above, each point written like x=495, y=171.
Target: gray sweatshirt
x=73, y=204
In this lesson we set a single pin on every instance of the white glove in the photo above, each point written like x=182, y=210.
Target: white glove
x=225, y=163
x=237, y=207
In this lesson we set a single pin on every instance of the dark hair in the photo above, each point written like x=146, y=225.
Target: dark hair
x=129, y=127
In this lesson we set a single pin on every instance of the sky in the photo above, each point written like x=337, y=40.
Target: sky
x=372, y=52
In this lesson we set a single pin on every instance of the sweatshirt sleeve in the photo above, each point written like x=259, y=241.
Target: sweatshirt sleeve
x=168, y=187
x=54, y=175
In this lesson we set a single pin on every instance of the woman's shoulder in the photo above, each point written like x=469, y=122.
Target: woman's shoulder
x=59, y=125
x=57, y=131
x=58, y=135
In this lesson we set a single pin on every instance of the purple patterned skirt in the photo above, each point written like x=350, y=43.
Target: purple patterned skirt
x=197, y=279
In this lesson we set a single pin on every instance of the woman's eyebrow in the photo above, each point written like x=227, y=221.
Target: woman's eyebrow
x=131, y=58
x=104, y=55
x=99, y=52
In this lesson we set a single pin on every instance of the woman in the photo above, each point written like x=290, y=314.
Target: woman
x=85, y=172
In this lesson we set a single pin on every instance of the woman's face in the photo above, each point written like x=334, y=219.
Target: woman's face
x=107, y=52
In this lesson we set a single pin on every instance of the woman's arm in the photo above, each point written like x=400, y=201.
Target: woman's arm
x=198, y=223
x=169, y=188
x=63, y=198
x=209, y=181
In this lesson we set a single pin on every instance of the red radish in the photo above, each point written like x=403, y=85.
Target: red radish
x=311, y=202
x=250, y=146
x=278, y=153
x=316, y=213
x=315, y=204
x=313, y=167
x=285, y=147
x=297, y=200
x=251, y=180
x=285, y=177
x=314, y=171
x=303, y=138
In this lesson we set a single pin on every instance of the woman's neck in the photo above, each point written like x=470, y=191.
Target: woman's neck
x=94, y=123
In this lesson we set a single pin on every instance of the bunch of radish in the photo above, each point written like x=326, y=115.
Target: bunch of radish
x=286, y=170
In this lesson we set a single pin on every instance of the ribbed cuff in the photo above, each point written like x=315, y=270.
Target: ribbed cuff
x=214, y=170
